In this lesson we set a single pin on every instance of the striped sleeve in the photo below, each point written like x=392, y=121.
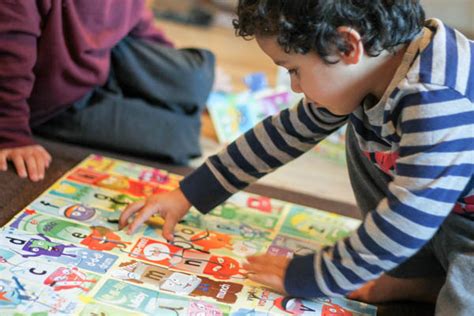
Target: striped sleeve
x=436, y=162
x=269, y=145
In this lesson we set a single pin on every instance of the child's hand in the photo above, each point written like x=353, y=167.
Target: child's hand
x=29, y=161
x=172, y=206
x=268, y=270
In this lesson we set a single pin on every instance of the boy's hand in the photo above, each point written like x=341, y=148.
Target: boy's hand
x=29, y=161
x=172, y=206
x=268, y=270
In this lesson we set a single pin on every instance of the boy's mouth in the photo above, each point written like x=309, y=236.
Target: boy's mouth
x=309, y=100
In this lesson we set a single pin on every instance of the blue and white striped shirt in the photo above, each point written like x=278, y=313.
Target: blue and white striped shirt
x=421, y=133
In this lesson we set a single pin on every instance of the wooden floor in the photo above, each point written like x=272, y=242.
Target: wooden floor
x=237, y=56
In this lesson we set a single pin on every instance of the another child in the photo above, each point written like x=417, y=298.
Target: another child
x=405, y=87
x=96, y=73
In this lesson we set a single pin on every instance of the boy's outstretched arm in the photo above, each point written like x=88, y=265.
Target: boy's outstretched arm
x=19, y=31
x=435, y=167
x=272, y=143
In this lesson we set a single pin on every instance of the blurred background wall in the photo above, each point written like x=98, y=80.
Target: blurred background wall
x=457, y=13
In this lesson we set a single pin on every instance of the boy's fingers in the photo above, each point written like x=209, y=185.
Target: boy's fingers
x=279, y=261
x=255, y=267
x=262, y=259
x=271, y=280
x=129, y=211
x=145, y=213
x=353, y=295
x=261, y=269
x=168, y=227
x=255, y=258
x=19, y=164
x=265, y=278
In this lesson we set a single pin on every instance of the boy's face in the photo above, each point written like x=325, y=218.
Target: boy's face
x=337, y=87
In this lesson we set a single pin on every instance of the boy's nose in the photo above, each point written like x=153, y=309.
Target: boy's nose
x=295, y=86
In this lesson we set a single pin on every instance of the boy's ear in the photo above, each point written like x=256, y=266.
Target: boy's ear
x=355, y=47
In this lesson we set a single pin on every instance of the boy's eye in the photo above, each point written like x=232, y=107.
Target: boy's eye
x=293, y=71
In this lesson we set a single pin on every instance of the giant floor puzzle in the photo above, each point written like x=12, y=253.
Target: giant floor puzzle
x=63, y=254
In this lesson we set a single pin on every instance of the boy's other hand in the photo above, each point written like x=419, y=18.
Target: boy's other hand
x=268, y=270
x=172, y=206
x=29, y=161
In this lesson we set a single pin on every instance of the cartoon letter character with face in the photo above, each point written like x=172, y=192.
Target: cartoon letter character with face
x=46, y=247
x=103, y=238
x=334, y=310
x=302, y=222
x=212, y=240
x=13, y=294
x=261, y=203
x=66, y=279
x=79, y=212
x=188, y=284
x=296, y=306
x=223, y=268
x=200, y=308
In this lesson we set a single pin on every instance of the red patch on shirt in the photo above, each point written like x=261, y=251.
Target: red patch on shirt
x=386, y=161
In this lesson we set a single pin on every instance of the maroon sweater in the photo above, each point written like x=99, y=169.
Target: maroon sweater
x=52, y=52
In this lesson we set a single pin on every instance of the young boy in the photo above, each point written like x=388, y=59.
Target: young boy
x=405, y=88
x=96, y=73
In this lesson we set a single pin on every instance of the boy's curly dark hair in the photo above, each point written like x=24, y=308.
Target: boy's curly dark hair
x=302, y=26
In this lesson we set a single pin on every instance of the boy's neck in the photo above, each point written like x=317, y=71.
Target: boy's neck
x=383, y=69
